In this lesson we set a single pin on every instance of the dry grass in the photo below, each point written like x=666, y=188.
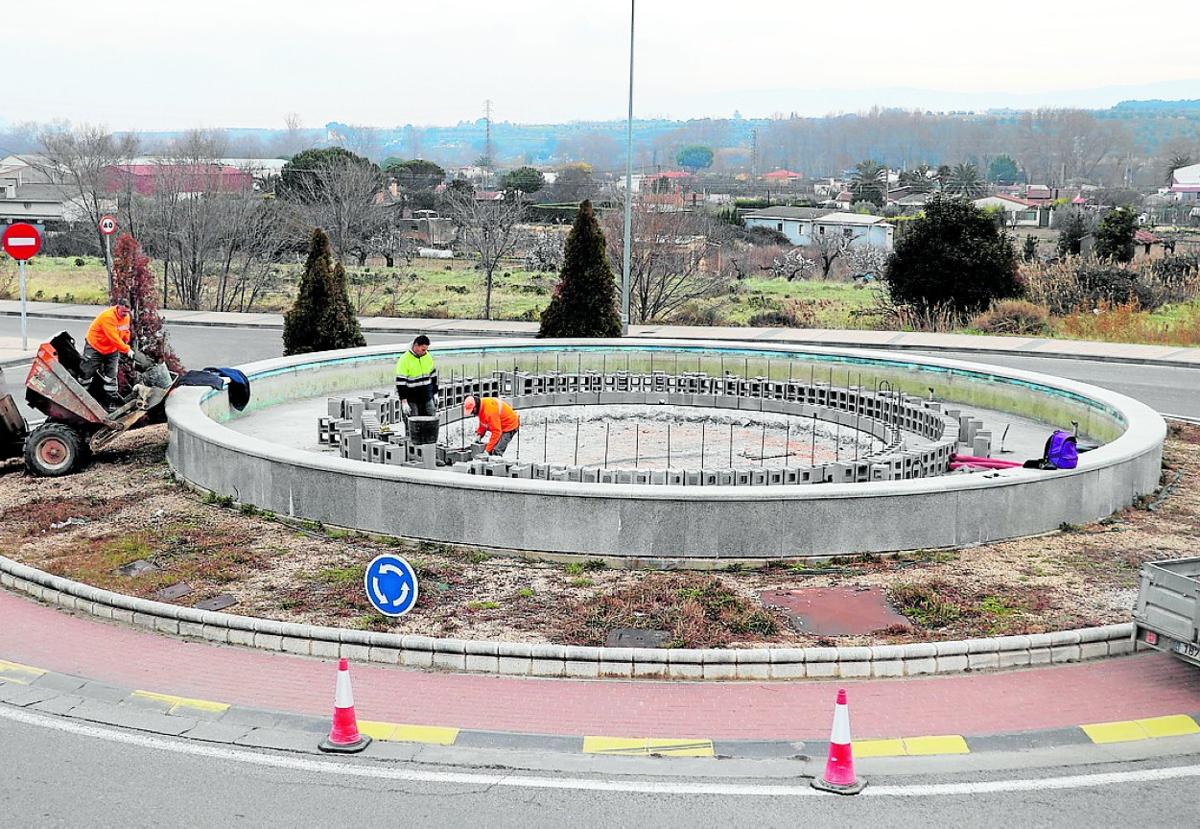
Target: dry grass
x=307, y=573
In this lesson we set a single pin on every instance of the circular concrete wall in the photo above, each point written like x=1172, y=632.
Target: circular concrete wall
x=655, y=524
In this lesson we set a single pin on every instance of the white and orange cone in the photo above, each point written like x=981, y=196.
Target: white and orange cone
x=839, y=768
x=343, y=736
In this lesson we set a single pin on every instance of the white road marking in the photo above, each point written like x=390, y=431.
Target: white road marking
x=516, y=780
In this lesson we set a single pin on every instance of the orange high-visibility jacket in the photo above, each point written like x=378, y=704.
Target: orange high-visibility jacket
x=497, y=417
x=107, y=335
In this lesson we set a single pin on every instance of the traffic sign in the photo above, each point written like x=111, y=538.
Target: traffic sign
x=21, y=241
x=391, y=585
x=108, y=225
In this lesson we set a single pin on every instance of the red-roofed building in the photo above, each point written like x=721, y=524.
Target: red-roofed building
x=782, y=176
x=148, y=179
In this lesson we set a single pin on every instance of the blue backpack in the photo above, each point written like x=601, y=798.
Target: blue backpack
x=1062, y=452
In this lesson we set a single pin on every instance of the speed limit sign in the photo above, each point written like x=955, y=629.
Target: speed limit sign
x=108, y=225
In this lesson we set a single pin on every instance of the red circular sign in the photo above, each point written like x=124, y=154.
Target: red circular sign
x=21, y=241
x=108, y=225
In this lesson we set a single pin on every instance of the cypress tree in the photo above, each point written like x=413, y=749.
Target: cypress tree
x=585, y=300
x=321, y=317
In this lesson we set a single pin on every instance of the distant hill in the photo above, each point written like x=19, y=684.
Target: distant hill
x=1159, y=105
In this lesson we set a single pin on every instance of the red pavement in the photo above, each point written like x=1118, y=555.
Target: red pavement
x=1145, y=685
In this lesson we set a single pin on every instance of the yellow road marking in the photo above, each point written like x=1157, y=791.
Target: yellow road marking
x=911, y=746
x=1125, y=731
x=183, y=704
x=16, y=672
x=645, y=746
x=399, y=733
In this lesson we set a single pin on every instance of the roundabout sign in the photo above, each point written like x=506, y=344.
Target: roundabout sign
x=391, y=585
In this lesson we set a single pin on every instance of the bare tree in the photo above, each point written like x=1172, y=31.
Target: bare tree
x=486, y=228
x=792, y=263
x=866, y=260
x=77, y=161
x=341, y=195
x=671, y=261
x=827, y=247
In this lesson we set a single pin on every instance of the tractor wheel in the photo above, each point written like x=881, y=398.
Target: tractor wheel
x=55, y=449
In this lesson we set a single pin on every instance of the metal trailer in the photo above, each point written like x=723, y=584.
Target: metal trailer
x=76, y=423
x=1168, y=608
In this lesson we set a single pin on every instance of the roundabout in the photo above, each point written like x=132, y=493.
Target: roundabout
x=724, y=500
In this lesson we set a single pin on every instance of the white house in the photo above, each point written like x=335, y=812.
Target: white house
x=804, y=224
x=858, y=229
x=1018, y=212
x=794, y=222
x=1185, y=183
x=28, y=195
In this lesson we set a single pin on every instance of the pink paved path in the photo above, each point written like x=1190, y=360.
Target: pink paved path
x=1119, y=689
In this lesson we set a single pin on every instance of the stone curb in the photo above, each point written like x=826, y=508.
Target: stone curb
x=522, y=659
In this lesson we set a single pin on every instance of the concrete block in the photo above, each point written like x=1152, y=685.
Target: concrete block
x=821, y=669
x=324, y=649
x=291, y=644
x=514, y=665
x=887, y=667
x=685, y=670
x=388, y=656
x=847, y=670
x=922, y=665
x=238, y=636
x=720, y=671
x=587, y=669
x=268, y=641
x=547, y=667
x=1012, y=659
x=753, y=670
x=1039, y=656
x=1065, y=653
x=452, y=661
x=617, y=669
x=981, y=661
x=950, y=664
x=482, y=663
x=1119, y=647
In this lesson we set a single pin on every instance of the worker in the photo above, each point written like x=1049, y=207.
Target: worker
x=108, y=337
x=495, y=416
x=417, y=380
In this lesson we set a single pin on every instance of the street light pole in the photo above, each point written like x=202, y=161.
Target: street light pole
x=628, y=185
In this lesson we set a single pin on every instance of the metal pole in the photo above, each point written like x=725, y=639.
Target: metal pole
x=628, y=249
x=668, y=445
x=787, y=445
x=518, y=445
x=837, y=441
x=607, y=424
x=637, y=449
x=24, y=300
x=731, y=446
x=703, y=425
x=812, y=461
x=545, y=438
x=762, y=447
x=108, y=265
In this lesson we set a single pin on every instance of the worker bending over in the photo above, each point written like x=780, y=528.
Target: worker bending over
x=495, y=416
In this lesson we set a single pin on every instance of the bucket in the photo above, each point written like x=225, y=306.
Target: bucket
x=422, y=430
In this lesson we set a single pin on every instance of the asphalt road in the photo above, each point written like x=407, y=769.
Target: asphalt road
x=67, y=778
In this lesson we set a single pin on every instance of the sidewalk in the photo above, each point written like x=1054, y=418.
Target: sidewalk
x=1169, y=356
x=1060, y=697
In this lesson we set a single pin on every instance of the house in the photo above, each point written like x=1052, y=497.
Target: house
x=782, y=177
x=28, y=194
x=804, y=225
x=1040, y=193
x=489, y=195
x=913, y=202
x=1018, y=212
x=1185, y=183
x=858, y=229
x=148, y=179
x=669, y=181
x=794, y=222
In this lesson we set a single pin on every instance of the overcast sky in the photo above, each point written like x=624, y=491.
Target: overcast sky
x=147, y=64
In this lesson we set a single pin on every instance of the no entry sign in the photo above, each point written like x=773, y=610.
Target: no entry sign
x=21, y=241
x=108, y=225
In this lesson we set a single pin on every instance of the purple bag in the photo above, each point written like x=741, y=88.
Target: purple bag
x=1061, y=450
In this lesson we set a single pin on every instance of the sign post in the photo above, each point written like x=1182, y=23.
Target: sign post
x=22, y=241
x=108, y=226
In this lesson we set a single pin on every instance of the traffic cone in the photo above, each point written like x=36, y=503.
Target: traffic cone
x=839, y=768
x=343, y=736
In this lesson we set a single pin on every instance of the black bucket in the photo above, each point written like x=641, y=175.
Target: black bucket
x=422, y=430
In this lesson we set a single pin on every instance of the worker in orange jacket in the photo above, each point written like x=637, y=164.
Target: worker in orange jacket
x=495, y=416
x=108, y=337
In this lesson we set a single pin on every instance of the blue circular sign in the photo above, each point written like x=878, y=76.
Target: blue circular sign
x=391, y=585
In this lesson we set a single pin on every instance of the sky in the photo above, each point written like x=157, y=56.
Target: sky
x=167, y=64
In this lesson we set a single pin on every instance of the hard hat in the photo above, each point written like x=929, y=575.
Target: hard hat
x=469, y=406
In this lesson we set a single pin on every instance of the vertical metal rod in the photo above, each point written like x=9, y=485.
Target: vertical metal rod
x=607, y=424
x=668, y=445
x=787, y=445
x=676, y=363
x=768, y=368
x=789, y=371
x=626, y=362
x=651, y=362
x=762, y=447
x=545, y=438
x=537, y=364
x=518, y=445
x=637, y=449
x=576, y=442
x=722, y=365
x=703, y=425
x=627, y=247
x=857, y=415
x=24, y=301
x=557, y=362
x=731, y=445
x=837, y=442
x=813, y=457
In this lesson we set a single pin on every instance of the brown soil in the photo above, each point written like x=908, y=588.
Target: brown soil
x=128, y=507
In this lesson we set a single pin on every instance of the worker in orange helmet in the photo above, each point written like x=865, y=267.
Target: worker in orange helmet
x=495, y=416
x=108, y=337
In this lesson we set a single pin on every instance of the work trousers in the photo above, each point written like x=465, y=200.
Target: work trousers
x=106, y=366
x=505, y=440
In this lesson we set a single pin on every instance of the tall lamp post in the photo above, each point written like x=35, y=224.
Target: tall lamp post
x=628, y=185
